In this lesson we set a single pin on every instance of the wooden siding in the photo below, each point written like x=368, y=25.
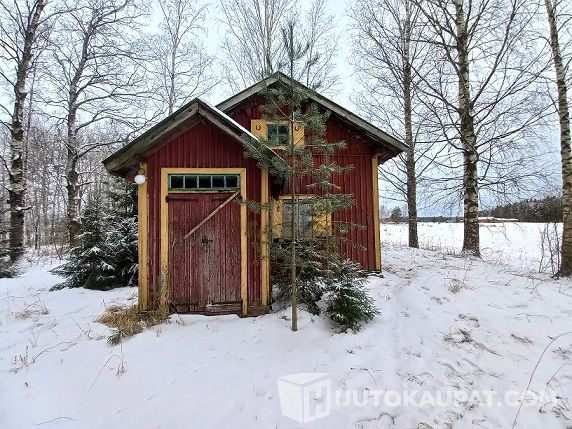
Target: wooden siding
x=359, y=150
x=204, y=268
x=142, y=242
x=202, y=146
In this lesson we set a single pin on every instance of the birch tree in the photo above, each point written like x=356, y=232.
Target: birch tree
x=320, y=36
x=20, y=30
x=556, y=22
x=387, y=58
x=253, y=48
x=179, y=63
x=93, y=79
x=484, y=98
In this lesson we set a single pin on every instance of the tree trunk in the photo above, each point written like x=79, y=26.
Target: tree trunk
x=471, y=242
x=412, y=198
x=17, y=187
x=565, y=151
x=268, y=67
x=73, y=222
x=293, y=284
x=293, y=228
x=410, y=161
x=72, y=175
x=172, y=71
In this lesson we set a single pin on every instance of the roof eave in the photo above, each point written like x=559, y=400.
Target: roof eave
x=125, y=158
x=115, y=163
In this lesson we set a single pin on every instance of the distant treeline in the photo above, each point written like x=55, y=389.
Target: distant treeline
x=547, y=209
x=438, y=219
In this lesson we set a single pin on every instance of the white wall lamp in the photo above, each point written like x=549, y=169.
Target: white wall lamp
x=140, y=178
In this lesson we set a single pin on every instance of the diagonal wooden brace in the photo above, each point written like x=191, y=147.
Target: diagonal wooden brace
x=215, y=211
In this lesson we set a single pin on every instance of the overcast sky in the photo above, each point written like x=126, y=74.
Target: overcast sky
x=348, y=85
x=337, y=7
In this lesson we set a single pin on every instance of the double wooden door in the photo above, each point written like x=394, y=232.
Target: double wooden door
x=204, y=266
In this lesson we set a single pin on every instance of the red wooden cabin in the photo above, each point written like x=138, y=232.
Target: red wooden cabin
x=207, y=252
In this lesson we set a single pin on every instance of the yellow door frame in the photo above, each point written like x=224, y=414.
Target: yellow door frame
x=243, y=218
x=143, y=237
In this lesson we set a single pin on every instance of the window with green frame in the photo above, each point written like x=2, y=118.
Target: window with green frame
x=204, y=182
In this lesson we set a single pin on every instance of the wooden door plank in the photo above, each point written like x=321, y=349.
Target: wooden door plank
x=214, y=212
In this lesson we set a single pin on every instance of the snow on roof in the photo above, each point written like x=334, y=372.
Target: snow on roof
x=373, y=131
x=228, y=118
x=121, y=160
x=232, y=121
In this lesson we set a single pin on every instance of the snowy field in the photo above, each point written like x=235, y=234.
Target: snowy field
x=447, y=324
x=517, y=244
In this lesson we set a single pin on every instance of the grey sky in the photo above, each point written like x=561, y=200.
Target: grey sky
x=337, y=7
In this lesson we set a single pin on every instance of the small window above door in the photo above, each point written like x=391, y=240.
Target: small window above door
x=204, y=182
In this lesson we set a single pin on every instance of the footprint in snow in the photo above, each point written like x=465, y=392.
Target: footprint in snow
x=470, y=319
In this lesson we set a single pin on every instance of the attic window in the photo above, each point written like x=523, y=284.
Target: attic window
x=204, y=182
x=278, y=133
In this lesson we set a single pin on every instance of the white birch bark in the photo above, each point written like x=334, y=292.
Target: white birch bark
x=565, y=150
x=468, y=139
x=17, y=186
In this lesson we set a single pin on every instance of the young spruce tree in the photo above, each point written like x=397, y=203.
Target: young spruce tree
x=121, y=239
x=301, y=263
x=106, y=255
x=89, y=264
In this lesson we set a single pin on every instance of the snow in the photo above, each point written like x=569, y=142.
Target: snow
x=228, y=118
x=232, y=121
x=447, y=323
x=516, y=244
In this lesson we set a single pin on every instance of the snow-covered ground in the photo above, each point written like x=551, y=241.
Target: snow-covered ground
x=517, y=244
x=448, y=325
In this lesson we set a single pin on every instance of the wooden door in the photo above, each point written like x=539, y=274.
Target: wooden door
x=204, y=268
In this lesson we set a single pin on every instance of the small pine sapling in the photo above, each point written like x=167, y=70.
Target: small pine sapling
x=347, y=303
x=290, y=156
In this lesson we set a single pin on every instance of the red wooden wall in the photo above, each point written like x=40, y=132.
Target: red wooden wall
x=202, y=146
x=358, y=153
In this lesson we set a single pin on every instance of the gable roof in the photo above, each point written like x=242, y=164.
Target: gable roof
x=129, y=156
x=385, y=140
